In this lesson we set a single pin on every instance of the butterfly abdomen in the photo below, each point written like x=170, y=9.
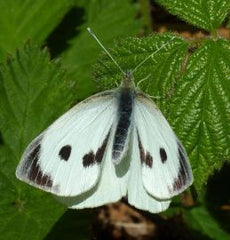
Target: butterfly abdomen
x=125, y=109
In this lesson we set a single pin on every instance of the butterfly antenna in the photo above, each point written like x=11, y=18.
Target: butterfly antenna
x=151, y=55
x=95, y=37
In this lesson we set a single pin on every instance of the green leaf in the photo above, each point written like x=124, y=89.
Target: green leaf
x=200, y=102
x=109, y=20
x=200, y=110
x=160, y=71
x=74, y=224
x=206, y=14
x=33, y=92
x=199, y=219
x=23, y=20
x=24, y=212
x=145, y=9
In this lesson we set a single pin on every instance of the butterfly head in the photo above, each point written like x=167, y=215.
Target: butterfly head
x=128, y=80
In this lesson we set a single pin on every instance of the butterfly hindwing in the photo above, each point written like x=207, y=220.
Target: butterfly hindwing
x=66, y=158
x=165, y=168
x=137, y=194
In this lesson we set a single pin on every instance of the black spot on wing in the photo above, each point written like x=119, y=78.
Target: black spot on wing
x=125, y=110
x=180, y=181
x=65, y=152
x=33, y=170
x=141, y=150
x=149, y=160
x=145, y=158
x=101, y=150
x=163, y=155
x=182, y=176
x=91, y=158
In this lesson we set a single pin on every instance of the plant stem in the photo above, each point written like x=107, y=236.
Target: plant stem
x=214, y=34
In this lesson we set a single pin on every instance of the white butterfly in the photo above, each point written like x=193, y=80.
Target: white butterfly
x=113, y=144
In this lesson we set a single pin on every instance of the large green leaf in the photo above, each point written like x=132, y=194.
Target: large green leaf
x=29, y=89
x=200, y=101
x=25, y=213
x=206, y=14
x=33, y=92
x=23, y=20
x=200, y=111
x=110, y=20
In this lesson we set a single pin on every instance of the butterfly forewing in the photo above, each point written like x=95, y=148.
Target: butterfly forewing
x=66, y=158
x=111, y=186
x=165, y=168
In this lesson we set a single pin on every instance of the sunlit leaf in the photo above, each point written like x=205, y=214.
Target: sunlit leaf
x=206, y=14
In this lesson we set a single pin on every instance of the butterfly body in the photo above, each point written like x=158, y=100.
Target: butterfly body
x=114, y=144
x=125, y=95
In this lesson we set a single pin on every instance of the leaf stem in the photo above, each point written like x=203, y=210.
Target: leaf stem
x=198, y=41
x=214, y=34
x=146, y=16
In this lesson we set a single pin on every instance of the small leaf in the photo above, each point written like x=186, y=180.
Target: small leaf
x=73, y=224
x=159, y=71
x=206, y=14
x=200, y=110
x=199, y=219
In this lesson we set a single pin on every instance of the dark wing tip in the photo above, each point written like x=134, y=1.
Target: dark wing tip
x=29, y=169
x=184, y=177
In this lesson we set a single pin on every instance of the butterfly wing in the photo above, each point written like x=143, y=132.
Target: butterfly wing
x=137, y=194
x=117, y=181
x=66, y=158
x=166, y=171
